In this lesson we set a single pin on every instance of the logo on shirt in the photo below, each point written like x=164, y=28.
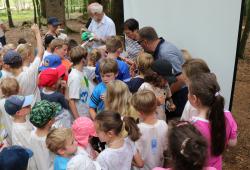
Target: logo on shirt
x=84, y=96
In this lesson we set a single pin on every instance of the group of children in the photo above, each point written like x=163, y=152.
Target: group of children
x=78, y=108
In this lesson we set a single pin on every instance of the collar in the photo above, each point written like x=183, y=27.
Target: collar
x=103, y=19
x=157, y=49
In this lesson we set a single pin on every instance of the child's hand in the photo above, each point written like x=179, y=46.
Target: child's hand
x=171, y=107
x=35, y=28
x=161, y=99
x=102, y=97
x=63, y=84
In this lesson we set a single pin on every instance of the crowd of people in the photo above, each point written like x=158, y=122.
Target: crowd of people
x=109, y=103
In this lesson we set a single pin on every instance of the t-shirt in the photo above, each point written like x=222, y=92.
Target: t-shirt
x=134, y=84
x=6, y=121
x=46, y=53
x=121, y=158
x=28, y=79
x=66, y=63
x=188, y=112
x=123, y=71
x=42, y=157
x=21, y=133
x=133, y=48
x=203, y=126
x=80, y=89
x=60, y=163
x=152, y=143
x=55, y=97
x=90, y=73
x=95, y=100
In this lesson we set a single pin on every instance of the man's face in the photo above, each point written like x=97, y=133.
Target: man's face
x=144, y=44
x=131, y=34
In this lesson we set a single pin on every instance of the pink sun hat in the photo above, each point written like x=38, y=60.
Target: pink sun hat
x=83, y=128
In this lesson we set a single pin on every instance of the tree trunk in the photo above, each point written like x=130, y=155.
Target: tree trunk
x=11, y=24
x=56, y=8
x=38, y=10
x=35, y=15
x=43, y=8
x=245, y=34
x=117, y=15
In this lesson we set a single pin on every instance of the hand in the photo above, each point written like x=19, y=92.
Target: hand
x=171, y=107
x=35, y=28
x=102, y=97
x=161, y=99
x=63, y=84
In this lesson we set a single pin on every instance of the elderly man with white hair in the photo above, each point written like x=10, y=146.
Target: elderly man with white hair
x=101, y=25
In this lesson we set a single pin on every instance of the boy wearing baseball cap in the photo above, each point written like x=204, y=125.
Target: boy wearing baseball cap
x=42, y=116
x=19, y=107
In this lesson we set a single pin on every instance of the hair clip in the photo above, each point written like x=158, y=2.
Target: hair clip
x=181, y=123
x=183, y=145
x=217, y=94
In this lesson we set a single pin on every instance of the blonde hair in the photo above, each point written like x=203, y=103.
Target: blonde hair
x=144, y=61
x=113, y=44
x=186, y=55
x=9, y=86
x=25, y=51
x=57, y=43
x=108, y=65
x=94, y=56
x=57, y=138
x=144, y=101
x=118, y=99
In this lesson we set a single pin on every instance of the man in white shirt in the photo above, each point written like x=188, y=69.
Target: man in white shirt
x=101, y=25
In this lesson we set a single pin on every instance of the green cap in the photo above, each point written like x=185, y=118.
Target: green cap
x=87, y=36
x=43, y=111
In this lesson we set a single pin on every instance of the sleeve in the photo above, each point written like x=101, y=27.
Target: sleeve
x=32, y=70
x=95, y=98
x=62, y=101
x=100, y=159
x=231, y=126
x=125, y=73
x=74, y=88
x=97, y=73
x=111, y=30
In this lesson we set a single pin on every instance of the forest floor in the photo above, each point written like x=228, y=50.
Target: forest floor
x=236, y=158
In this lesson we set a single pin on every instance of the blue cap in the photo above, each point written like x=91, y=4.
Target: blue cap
x=50, y=61
x=12, y=57
x=15, y=103
x=15, y=158
x=53, y=21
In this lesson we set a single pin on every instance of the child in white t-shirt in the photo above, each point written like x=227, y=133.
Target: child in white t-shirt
x=153, y=141
x=120, y=153
x=42, y=116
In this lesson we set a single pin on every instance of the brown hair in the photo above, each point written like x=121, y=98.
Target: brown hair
x=195, y=66
x=113, y=44
x=56, y=43
x=110, y=120
x=77, y=54
x=148, y=33
x=144, y=101
x=153, y=78
x=25, y=50
x=144, y=61
x=57, y=138
x=186, y=55
x=9, y=86
x=108, y=65
x=94, y=56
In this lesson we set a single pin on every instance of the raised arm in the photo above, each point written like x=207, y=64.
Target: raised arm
x=40, y=48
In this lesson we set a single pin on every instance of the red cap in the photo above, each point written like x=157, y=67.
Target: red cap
x=50, y=76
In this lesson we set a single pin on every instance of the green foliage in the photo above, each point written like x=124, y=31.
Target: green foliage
x=20, y=16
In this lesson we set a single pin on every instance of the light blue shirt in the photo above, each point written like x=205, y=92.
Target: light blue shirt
x=60, y=163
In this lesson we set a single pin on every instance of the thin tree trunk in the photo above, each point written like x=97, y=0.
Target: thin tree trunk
x=38, y=10
x=35, y=15
x=11, y=24
x=117, y=15
x=43, y=8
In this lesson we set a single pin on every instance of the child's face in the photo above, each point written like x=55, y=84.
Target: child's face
x=24, y=111
x=103, y=136
x=108, y=77
x=62, y=51
x=70, y=147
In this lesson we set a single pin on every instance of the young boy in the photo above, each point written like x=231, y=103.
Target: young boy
x=19, y=107
x=47, y=42
x=80, y=87
x=114, y=48
x=27, y=78
x=153, y=141
x=108, y=71
x=42, y=116
x=62, y=143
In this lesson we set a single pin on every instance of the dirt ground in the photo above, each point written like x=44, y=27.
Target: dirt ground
x=236, y=158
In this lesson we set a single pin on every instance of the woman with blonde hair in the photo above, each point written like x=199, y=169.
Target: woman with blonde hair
x=118, y=98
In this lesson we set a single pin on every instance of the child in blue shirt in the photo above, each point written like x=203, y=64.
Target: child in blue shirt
x=109, y=71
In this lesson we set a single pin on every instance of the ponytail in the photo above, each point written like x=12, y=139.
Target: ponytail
x=132, y=128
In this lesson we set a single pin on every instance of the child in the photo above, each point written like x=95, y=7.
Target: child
x=120, y=152
x=114, y=49
x=118, y=98
x=83, y=129
x=187, y=148
x=109, y=71
x=143, y=62
x=19, y=107
x=9, y=86
x=215, y=124
x=62, y=143
x=42, y=116
x=50, y=80
x=47, y=42
x=153, y=141
x=27, y=78
x=26, y=51
x=190, y=68
x=157, y=79
x=80, y=88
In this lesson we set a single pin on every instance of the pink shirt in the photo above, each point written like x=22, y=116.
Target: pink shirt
x=203, y=126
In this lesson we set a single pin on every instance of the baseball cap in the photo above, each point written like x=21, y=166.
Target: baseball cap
x=50, y=76
x=53, y=21
x=83, y=128
x=50, y=61
x=12, y=57
x=14, y=103
x=43, y=111
x=15, y=158
x=165, y=69
x=87, y=36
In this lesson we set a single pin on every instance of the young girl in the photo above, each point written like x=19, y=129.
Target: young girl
x=120, y=152
x=187, y=148
x=118, y=97
x=215, y=124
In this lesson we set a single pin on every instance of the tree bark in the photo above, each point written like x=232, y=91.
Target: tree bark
x=35, y=15
x=117, y=15
x=43, y=8
x=56, y=8
x=38, y=10
x=11, y=24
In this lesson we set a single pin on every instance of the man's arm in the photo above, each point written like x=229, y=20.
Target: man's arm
x=176, y=86
x=72, y=106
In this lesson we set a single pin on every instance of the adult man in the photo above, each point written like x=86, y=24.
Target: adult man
x=133, y=48
x=101, y=25
x=162, y=49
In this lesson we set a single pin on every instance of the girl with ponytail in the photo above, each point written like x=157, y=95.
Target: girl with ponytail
x=215, y=124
